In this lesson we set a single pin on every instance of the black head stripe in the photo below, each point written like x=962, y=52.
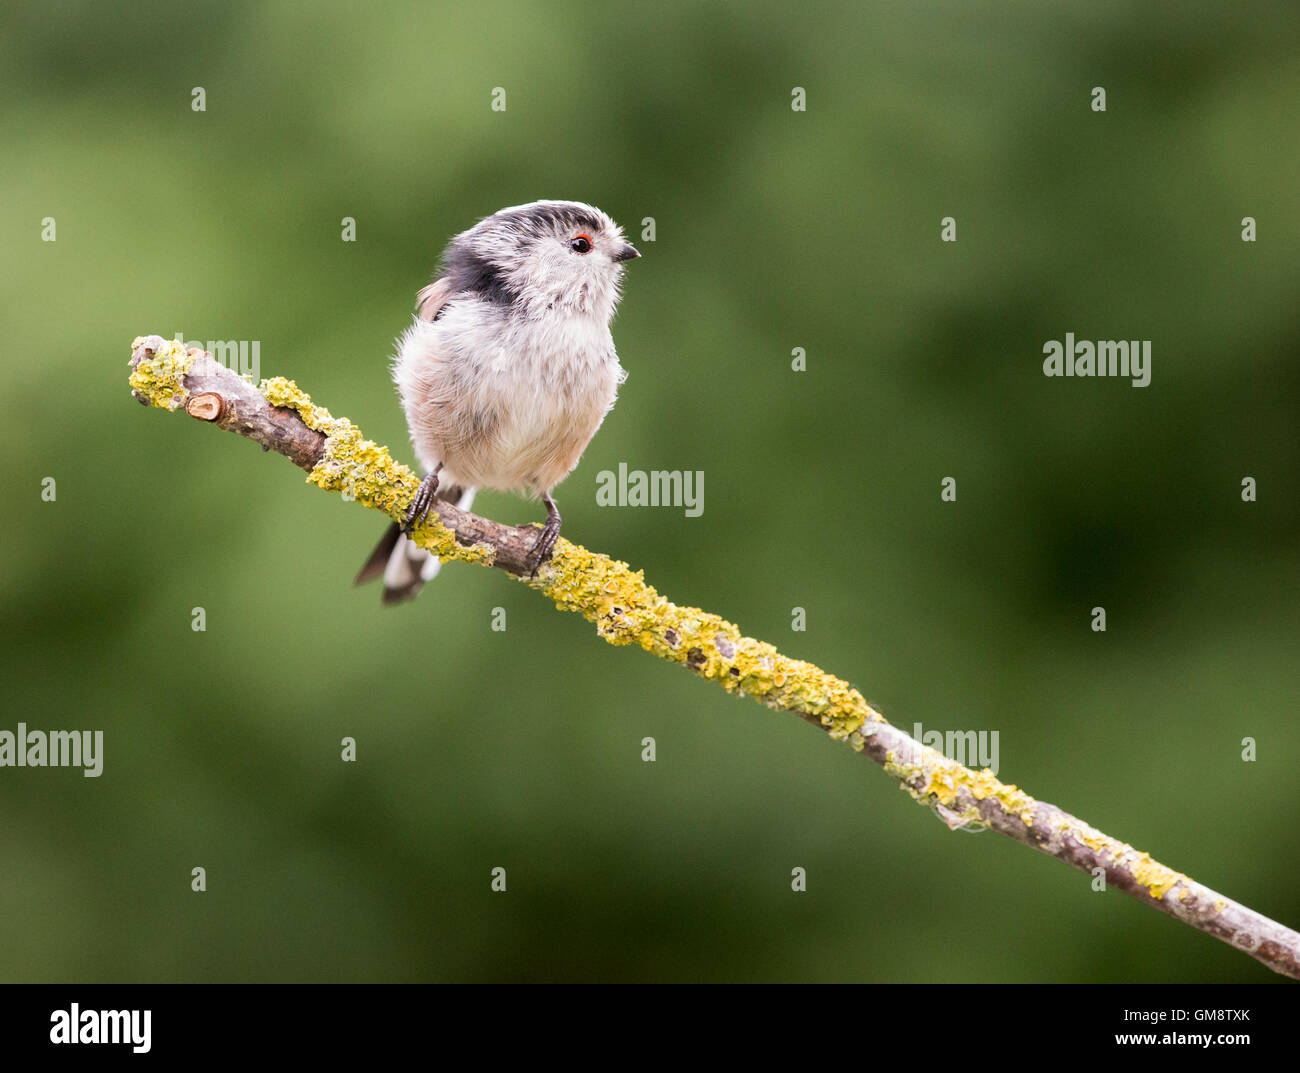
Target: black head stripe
x=467, y=271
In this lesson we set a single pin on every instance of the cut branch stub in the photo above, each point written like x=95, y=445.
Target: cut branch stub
x=208, y=406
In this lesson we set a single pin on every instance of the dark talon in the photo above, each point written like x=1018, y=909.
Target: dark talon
x=545, y=543
x=423, y=501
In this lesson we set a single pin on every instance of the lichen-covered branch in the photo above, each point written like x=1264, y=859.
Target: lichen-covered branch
x=626, y=610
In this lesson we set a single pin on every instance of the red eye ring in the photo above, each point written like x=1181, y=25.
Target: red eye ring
x=580, y=243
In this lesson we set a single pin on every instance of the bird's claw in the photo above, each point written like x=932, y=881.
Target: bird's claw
x=422, y=503
x=544, y=546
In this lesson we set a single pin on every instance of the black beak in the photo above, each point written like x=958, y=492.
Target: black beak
x=627, y=252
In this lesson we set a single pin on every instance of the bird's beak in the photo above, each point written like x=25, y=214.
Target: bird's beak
x=627, y=252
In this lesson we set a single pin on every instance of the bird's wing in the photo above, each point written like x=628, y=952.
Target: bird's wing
x=432, y=298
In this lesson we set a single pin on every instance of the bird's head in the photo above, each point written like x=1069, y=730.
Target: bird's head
x=544, y=257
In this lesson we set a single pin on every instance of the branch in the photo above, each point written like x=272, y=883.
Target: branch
x=626, y=610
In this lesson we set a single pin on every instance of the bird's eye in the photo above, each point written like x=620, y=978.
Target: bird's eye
x=580, y=243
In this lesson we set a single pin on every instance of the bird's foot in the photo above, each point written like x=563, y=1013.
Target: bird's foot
x=545, y=543
x=423, y=501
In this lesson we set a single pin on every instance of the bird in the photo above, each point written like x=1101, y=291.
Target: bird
x=507, y=370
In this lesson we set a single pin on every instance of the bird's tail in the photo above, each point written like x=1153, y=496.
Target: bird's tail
x=405, y=566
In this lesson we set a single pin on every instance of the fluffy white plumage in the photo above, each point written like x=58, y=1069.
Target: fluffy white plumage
x=503, y=401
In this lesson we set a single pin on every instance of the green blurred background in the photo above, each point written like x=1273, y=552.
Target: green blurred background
x=775, y=230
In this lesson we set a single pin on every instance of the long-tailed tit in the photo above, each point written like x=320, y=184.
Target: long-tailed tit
x=508, y=369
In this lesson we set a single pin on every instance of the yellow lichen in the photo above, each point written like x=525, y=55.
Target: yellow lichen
x=1159, y=879
x=160, y=379
x=626, y=610
x=905, y=773
x=984, y=784
x=933, y=779
x=1156, y=877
